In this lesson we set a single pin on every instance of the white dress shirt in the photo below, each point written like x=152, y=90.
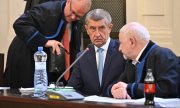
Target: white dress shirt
x=105, y=48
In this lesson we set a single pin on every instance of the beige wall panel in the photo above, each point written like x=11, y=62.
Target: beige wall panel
x=10, y=10
x=153, y=7
x=161, y=19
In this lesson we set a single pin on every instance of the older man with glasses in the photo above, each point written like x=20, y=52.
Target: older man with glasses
x=43, y=25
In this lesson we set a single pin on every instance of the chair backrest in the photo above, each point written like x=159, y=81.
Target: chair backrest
x=179, y=76
x=1, y=68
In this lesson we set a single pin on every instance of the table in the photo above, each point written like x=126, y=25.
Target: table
x=13, y=99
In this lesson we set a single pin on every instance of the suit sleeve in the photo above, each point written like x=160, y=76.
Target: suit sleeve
x=166, y=74
x=135, y=90
x=165, y=68
x=122, y=78
x=75, y=80
x=27, y=27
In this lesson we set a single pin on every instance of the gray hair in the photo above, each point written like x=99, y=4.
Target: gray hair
x=137, y=30
x=98, y=14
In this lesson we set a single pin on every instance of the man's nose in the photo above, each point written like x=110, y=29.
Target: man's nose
x=97, y=33
x=73, y=17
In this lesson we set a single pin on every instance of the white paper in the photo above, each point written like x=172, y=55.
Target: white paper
x=4, y=88
x=110, y=100
x=170, y=102
x=26, y=91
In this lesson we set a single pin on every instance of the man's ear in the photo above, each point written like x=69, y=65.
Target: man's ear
x=110, y=27
x=68, y=0
x=133, y=41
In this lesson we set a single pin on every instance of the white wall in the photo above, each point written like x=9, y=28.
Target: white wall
x=4, y=26
x=161, y=17
x=10, y=10
x=176, y=25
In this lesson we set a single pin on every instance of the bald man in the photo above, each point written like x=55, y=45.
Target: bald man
x=142, y=54
x=43, y=25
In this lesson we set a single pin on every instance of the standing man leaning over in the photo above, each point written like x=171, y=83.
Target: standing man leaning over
x=101, y=65
x=137, y=47
x=43, y=25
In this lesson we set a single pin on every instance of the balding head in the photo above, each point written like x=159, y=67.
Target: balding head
x=84, y=4
x=137, y=30
x=133, y=38
x=75, y=9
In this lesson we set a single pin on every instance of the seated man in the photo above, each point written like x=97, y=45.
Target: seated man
x=92, y=74
x=143, y=54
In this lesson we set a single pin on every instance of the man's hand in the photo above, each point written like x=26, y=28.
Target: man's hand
x=55, y=46
x=119, y=91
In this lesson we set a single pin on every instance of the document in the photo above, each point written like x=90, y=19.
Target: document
x=110, y=100
x=26, y=91
x=4, y=88
x=170, y=102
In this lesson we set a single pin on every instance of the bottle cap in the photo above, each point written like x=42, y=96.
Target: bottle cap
x=40, y=48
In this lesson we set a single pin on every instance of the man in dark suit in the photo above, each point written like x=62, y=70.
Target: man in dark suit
x=86, y=77
x=143, y=54
x=43, y=25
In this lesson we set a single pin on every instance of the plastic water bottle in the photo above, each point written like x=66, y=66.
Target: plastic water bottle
x=40, y=74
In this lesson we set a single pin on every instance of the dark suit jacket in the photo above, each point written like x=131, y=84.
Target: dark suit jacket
x=84, y=76
x=164, y=65
x=34, y=28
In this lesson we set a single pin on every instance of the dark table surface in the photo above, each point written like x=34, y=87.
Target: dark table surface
x=13, y=99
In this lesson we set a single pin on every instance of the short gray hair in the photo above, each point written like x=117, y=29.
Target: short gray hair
x=98, y=14
x=137, y=30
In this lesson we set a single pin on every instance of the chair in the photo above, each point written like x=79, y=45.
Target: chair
x=179, y=76
x=1, y=68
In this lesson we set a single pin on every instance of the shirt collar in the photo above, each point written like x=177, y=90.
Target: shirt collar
x=139, y=55
x=105, y=46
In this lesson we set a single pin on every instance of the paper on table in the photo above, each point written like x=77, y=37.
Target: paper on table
x=171, y=102
x=110, y=100
x=26, y=91
x=4, y=88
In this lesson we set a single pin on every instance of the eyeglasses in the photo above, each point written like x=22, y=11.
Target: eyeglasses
x=74, y=13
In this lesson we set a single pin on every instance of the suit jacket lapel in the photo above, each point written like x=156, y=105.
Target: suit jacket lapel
x=91, y=55
x=109, y=55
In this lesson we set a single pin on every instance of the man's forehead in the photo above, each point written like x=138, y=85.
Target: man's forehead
x=122, y=37
x=78, y=9
x=98, y=22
